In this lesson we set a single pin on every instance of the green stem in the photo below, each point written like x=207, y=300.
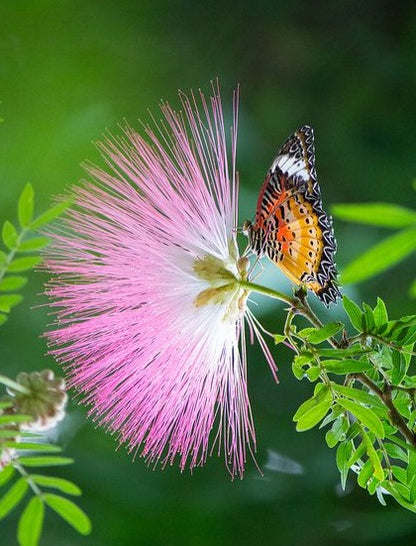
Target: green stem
x=307, y=312
x=386, y=458
x=300, y=306
x=385, y=395
x=286, y=330
x=268, y=292
x=362, y=337
x=28, y=479
x=14, y=385
x=12, y=253
x=411, y=391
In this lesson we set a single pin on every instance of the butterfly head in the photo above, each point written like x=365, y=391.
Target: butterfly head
x=247, y=227
x=255, y=237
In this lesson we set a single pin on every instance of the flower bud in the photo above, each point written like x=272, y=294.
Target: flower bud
x=44, y=402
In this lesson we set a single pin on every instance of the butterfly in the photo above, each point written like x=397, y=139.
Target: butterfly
x=291, y=227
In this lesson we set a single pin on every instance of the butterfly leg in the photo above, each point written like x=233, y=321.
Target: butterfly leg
x=256, y=263
x=247, y=251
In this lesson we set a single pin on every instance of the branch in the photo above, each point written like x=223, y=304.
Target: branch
x=385, y=395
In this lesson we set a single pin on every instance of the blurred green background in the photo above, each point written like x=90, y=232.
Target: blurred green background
x=69, y=70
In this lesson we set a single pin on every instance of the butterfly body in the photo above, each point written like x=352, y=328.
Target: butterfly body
x=291, y=227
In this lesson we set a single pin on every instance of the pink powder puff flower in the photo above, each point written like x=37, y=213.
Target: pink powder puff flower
x=150, y=314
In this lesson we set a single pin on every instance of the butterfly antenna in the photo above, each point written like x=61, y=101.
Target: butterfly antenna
x=237, y=229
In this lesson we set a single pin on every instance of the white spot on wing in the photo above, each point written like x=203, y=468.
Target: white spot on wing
x=290, y=166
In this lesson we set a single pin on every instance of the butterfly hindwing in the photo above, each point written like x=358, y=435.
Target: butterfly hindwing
x=291, y=227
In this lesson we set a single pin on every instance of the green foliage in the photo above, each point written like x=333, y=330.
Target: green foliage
x=31, y=522
x=364, y=396
x=388, y=252
x=22, y=241
x=23, y=453
x=376, y=214
x=380, y=257
x=70, y=512
x=20, y=451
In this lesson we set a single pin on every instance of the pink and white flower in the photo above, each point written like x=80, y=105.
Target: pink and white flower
x=149, y=310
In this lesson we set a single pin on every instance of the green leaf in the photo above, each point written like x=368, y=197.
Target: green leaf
x=412, y=492
x=14, y=419
x=332, y=415
x=411, y=469
x=313, y=416
x=13, y=496
x=367, y=417
x=354, y=313
x=380, y=257
x=342, y=353
x=12, y=282
x=313, y=373
x=374, y=487
x=358, y=453
x=316, y=336
x=380, y=314
x=330, y=439
x=399, y=473
x=344, y=452
x=401, y=335
x=410, y=337
x=337, y=431
x=403, y=406
x=377, y=214
x=359, y=396
x=303, y=359
x=36, y=243
x=26, y=206
x=372, y=455
x=365, y=474
x=323, y=394
x=402, y=444
x=45, y=461
x=6, y=474
x=299, y=362
x=395, y=452
x=8, y=433
x=393, y=328
x=23, y=264
x=9, y=235
x=399, y=367
x=342, y=367
x=33, y=446
x=393, y=489
x=353, y=431
x=56, y=483
x=3, y=258
x=278, y=338
x=70, y=512
x=50, y=215
x=30, y=524
x=368, y=318
x=7, y=301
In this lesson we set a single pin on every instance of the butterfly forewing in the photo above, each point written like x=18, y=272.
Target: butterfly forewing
x=291, y=227
x=297, y=157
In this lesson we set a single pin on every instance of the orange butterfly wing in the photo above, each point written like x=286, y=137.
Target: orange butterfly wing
x=291, y=227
